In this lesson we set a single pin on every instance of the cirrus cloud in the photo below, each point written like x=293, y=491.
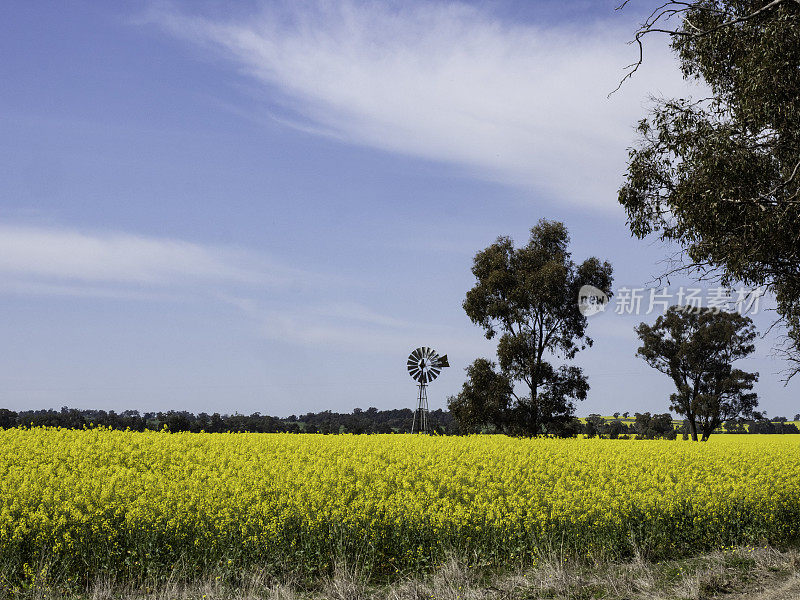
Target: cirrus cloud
x=49, y=259
x=518, y=103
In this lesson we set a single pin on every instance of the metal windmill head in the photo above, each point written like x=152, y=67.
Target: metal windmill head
x=424, y=364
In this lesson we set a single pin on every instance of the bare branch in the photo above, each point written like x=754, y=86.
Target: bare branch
x=674, y=8
x=790, y=353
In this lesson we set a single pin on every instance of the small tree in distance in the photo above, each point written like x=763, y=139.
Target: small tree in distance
x=529, y=295
x=696, y=348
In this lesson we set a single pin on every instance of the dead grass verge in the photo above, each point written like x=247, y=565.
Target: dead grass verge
x=736, y=573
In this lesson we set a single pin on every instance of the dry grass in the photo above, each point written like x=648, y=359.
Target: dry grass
x=739, y=573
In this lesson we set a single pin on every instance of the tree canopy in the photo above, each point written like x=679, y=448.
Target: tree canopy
x=529, y=296
x=697, y=348
x=485, y=399
x=721, y=175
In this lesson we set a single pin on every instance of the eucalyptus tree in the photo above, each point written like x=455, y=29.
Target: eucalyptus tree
x=528, y=297
x=697, y=349
x=721, y=175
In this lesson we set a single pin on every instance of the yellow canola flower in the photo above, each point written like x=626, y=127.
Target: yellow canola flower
x=126, y=502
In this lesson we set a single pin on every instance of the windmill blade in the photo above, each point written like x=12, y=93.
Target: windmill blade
x=424, y=364
x=412, y=363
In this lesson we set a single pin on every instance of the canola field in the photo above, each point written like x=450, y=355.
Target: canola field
x=96, y=502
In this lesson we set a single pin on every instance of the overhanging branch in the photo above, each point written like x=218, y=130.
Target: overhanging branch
x=675, y=8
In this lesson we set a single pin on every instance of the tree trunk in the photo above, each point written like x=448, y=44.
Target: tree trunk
x=692, y=427
x=534, y=410
x=709, y=428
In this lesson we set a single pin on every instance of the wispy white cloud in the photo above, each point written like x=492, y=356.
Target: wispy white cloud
x=354, y=312
x=517, y=103
x=23, y=287
x=282, y=303
x=58, y=261
x=352, y=328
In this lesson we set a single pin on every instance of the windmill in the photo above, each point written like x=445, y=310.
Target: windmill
x=424, y=365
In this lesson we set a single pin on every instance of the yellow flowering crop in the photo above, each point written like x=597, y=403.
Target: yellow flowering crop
x=101, y=501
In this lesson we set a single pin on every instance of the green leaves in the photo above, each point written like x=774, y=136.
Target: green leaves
x=696, y=348
x=485, y=398
x=721, y=176
x=529, y=295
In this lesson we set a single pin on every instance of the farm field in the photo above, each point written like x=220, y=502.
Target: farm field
x=131, y=505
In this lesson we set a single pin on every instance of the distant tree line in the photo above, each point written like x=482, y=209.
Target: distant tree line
x=371, y=420
x=661, y=426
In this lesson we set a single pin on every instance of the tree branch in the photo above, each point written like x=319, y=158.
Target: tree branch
x=669, y=10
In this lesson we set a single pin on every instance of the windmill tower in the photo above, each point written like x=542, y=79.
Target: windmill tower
x=424, y=365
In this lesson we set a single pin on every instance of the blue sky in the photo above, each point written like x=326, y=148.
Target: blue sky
x=266, y=206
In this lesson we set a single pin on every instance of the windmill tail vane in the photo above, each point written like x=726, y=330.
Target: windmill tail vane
x=424, y=365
